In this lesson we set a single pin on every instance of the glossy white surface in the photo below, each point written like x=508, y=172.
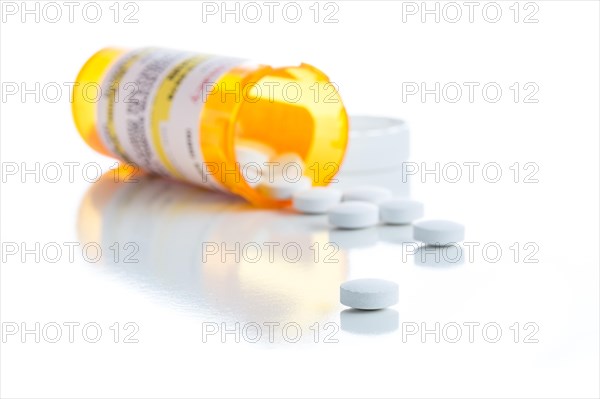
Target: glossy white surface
x=545, y=275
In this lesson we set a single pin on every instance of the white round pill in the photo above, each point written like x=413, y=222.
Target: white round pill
x=368, y=194
x=400, y=211
x=354, y=215
x=245, y=155
x=316, y=199
x=369, y=293
x=282, y=188
x=252, y=163
x=438, y=232
x=288, y=164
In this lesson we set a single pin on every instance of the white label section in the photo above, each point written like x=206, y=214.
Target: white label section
x=110, y=97
x=180, y=135
x=132, y=117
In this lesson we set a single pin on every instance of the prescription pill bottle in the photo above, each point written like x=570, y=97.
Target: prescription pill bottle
x=185, y=115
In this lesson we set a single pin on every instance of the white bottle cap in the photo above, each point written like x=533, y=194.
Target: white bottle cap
x=377, y=147
x=376, y=143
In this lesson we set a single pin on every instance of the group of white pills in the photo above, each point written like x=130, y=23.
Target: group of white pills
x=355, y=208
x=366, y=206
x=276, y=176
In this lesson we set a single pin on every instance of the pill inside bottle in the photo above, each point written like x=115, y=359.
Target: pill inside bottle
x=201, y=118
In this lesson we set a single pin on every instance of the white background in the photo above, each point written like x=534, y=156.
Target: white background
x=369, y=53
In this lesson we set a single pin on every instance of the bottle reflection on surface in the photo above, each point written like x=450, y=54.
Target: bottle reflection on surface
x=215, y=254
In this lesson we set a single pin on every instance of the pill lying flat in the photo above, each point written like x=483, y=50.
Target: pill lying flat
x=316, y=199
x=282, y=188
x=369, y=293
x=400, y=211
x=367, y=193
x=354, y=215
x=438, y=232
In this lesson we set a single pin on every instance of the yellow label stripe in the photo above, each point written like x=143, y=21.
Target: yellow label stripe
x=161, y=107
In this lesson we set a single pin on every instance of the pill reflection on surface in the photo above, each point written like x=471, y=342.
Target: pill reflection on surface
x=373, y=322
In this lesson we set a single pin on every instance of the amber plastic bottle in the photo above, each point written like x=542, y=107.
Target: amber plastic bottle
x=182, y=115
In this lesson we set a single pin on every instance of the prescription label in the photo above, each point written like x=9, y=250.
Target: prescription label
x=149, y=111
